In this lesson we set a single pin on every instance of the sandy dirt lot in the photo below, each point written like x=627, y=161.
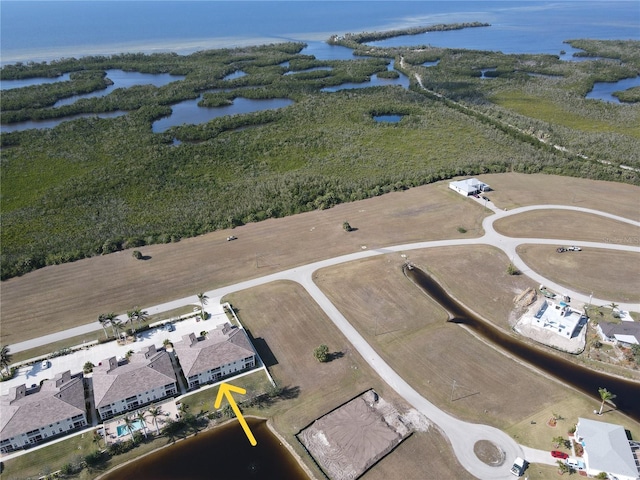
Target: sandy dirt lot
x=349, y=440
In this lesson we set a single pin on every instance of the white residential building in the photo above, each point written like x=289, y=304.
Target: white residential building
x=606, y=449
x=559, y=318
x=30, y=418
x=147, y=377
x=225, y=351
x=469, y=186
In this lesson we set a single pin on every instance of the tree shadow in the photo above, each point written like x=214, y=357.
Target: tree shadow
x=146, y=257
x=289, y=393
x=334, y=356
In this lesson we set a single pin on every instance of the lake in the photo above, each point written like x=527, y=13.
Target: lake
x=220, y=453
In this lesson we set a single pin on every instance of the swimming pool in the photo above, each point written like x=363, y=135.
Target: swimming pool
x=124, y=430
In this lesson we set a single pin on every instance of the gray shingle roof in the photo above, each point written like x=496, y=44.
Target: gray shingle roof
x=224, y=345
x=622, y=328
x=607, y=447
x=145, y=371
x=57, y=400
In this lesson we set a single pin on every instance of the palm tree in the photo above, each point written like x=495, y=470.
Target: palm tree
x=106, y=319
x=5, y=359
x=155, y=412
x=136, y=315
x=131, y=315
x=102, y=320
x=143, y=420
x=117, y=327
x=203, y=301
x=141, y=315
x=128, y=422
x=605, y=395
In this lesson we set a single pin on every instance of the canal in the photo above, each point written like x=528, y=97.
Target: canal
x=583, y=379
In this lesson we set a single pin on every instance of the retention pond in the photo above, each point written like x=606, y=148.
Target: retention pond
x=221, y=453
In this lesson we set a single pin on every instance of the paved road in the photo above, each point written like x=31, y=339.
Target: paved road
x=462, y=435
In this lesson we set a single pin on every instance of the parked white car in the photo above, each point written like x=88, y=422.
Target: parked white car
x=574, y=249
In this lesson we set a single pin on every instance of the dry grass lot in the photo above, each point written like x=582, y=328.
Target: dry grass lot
x=410, y=331
x=565, y=224
x=63, y=296
x=608, y=274
x=516, y=190
x=292, y=325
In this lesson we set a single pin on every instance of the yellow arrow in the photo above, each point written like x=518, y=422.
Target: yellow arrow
x=225, y=391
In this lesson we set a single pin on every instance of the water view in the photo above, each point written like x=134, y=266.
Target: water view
x=27, y=82
x=220, y=453
x=54, y=122
x=388, y=118
x=375, y=81
x=122, y=79
x=188, y=112
x=582, y=378
x=604, y=90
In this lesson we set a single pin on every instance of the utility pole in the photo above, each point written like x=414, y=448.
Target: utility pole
x=453, y=387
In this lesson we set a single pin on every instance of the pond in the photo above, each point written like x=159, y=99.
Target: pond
x=581, y=378
x=483, y=73
x=188, y=111
x=122, y=79
x=604, y=90
x=388, y=118
x=223, y=452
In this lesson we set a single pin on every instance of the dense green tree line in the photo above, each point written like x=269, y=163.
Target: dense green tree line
x=93, y=186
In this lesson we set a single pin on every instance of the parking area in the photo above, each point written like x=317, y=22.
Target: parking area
x=32, y=375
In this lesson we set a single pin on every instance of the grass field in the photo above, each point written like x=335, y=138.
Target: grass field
x=608, y=274
x=565, y=224
x=543, y=108
x=63, y=296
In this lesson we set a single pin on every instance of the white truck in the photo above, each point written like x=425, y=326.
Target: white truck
x=518, y=467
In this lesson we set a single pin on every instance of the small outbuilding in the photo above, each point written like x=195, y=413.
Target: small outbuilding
x=469, y=186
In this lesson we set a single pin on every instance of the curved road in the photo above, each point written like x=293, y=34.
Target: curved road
x=462, y=435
